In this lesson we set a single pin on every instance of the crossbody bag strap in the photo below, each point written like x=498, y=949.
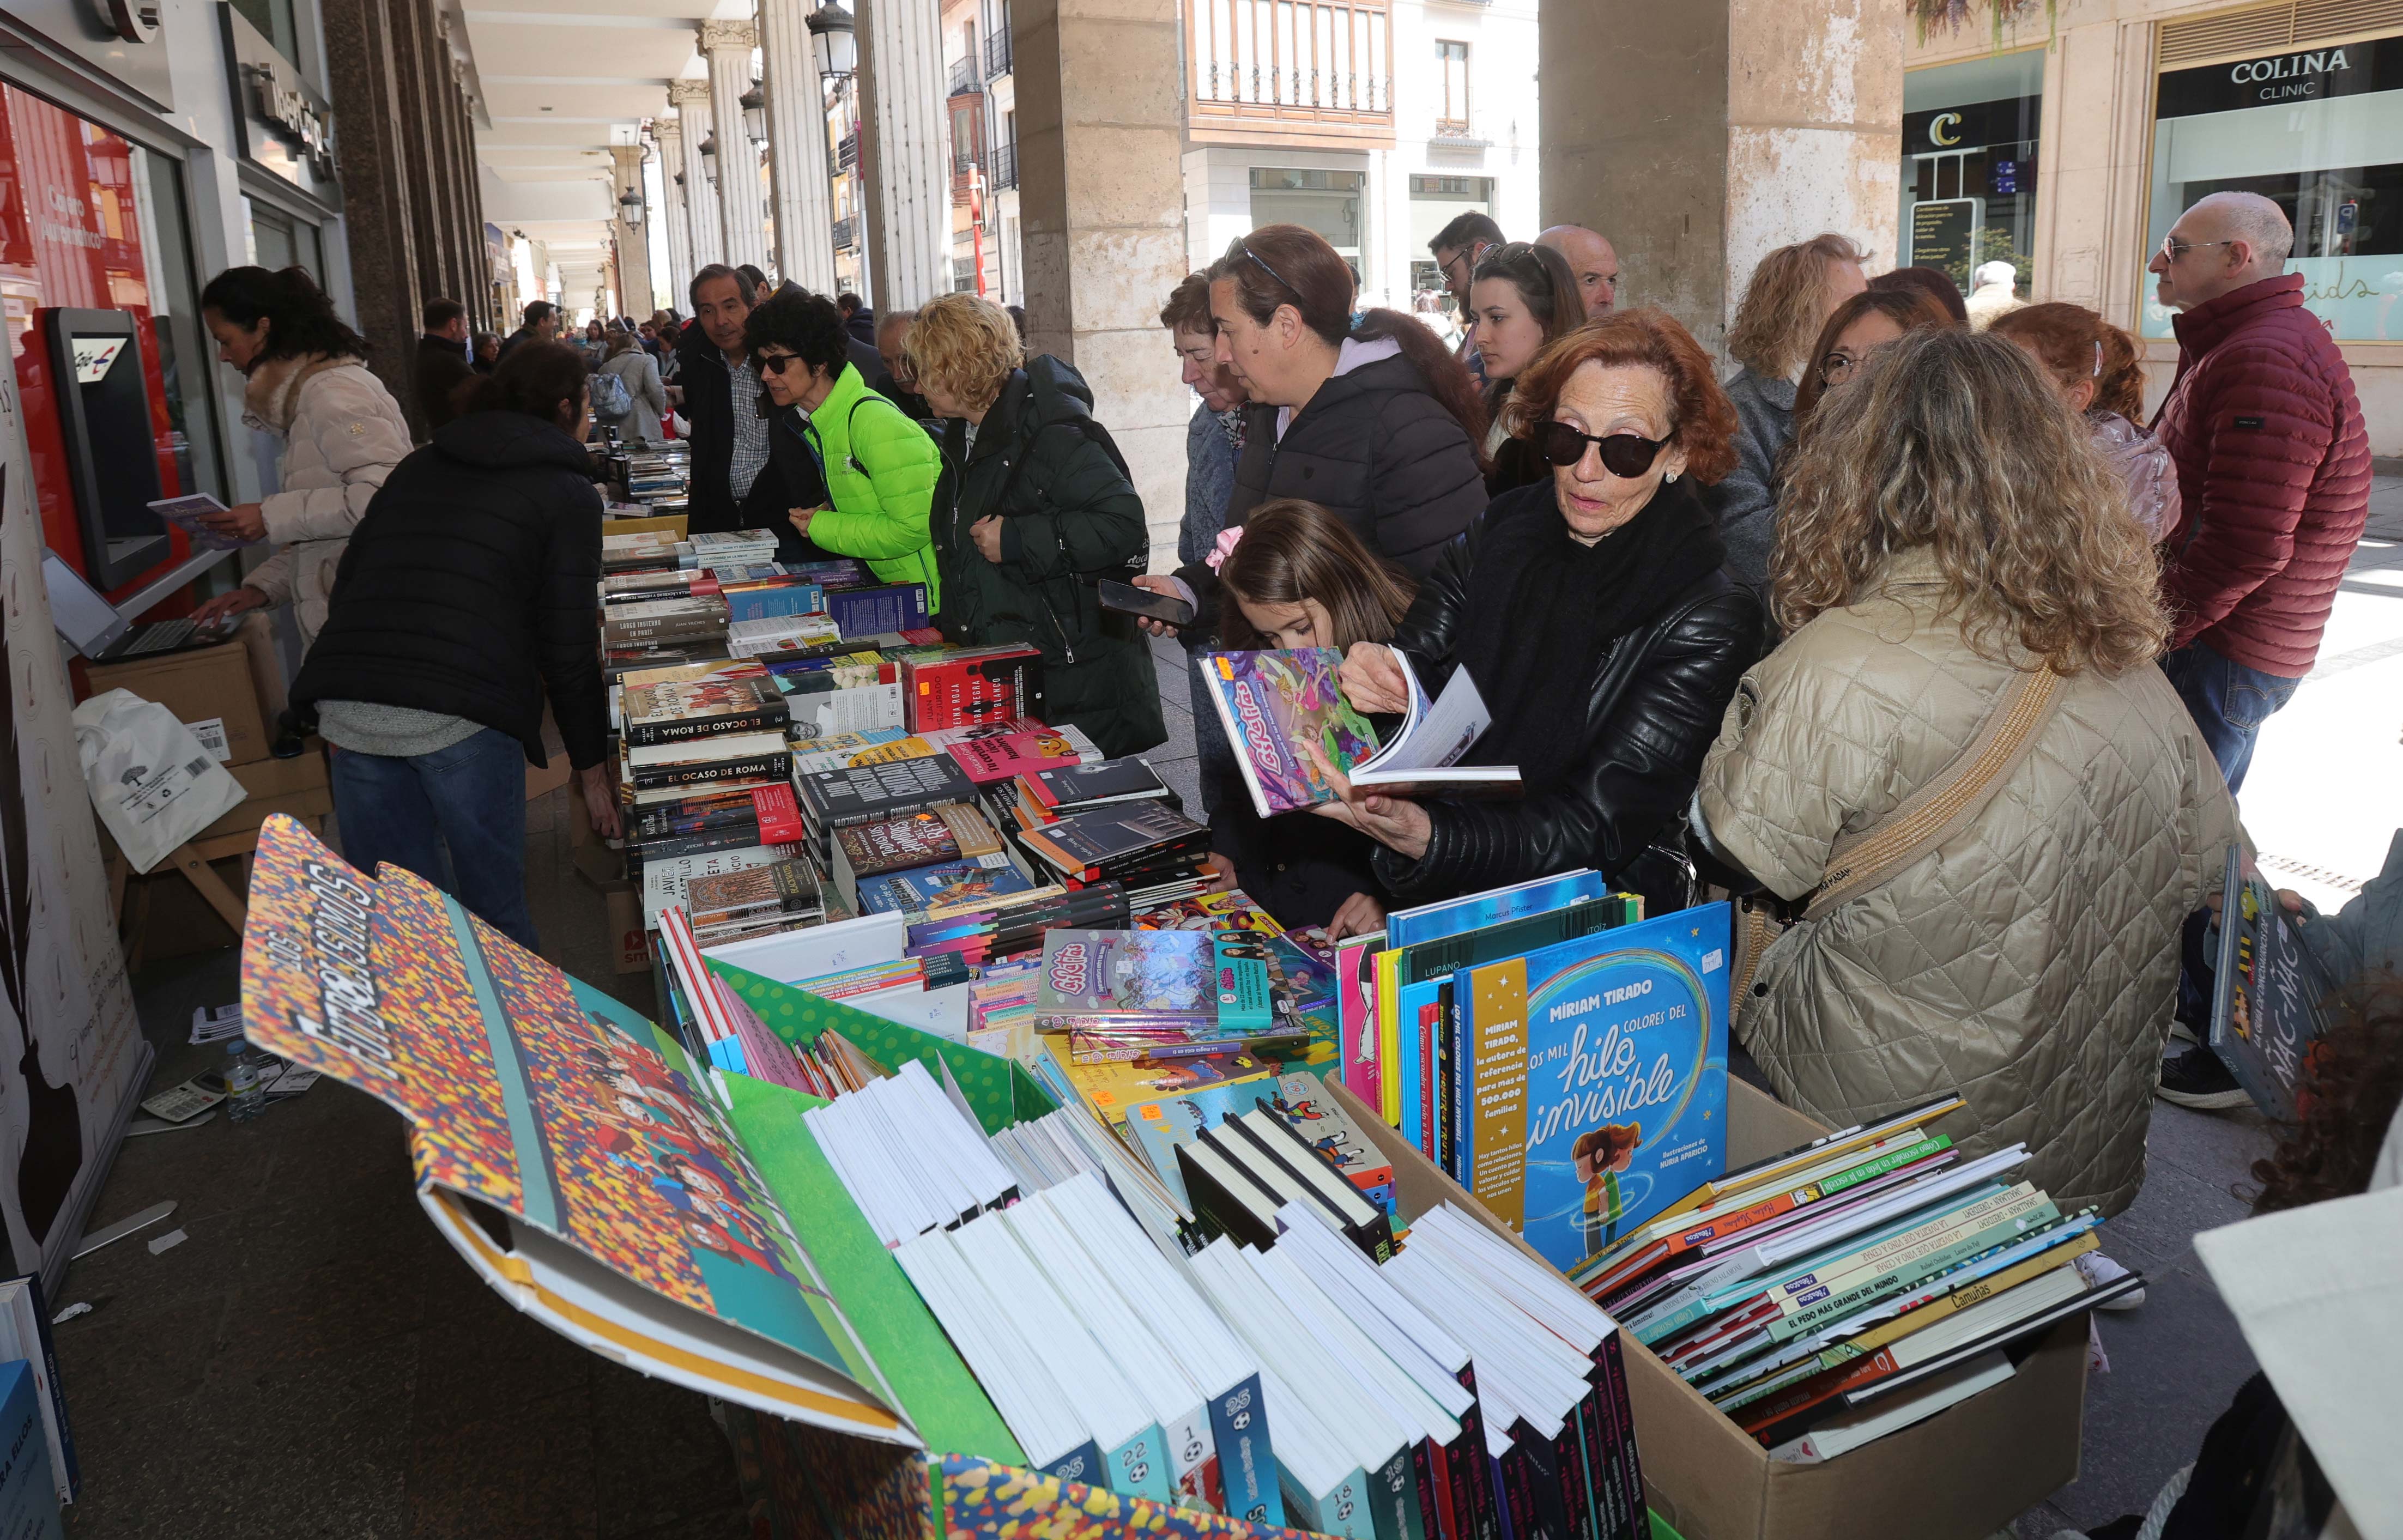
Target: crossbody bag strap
x=1943, y=807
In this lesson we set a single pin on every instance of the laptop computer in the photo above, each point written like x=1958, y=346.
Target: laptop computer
x=94, y=628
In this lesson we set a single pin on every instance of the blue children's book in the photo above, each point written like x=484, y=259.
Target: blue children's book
x=916, y=891
x=1598, y=1079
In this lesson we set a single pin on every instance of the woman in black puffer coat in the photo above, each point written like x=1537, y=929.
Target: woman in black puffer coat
x=1371, y=418
x=1034, y=508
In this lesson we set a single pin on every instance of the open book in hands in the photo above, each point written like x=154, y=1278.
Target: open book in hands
x=1273, y=703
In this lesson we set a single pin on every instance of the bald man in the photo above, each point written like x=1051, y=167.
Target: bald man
x=1593, y=259
x=2272, y=466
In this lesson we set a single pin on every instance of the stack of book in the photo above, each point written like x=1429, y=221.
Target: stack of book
x=1155, y=853
x=1159, y=1128
x=913, y=862
x=638, y=549
x=1124, y=994
x=1834, y=1293
x=755, y=901
x=728, y=549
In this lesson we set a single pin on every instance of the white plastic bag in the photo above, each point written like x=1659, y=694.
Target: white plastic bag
x=153, y=783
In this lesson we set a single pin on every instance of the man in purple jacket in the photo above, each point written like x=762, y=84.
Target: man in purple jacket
x=2272, y=466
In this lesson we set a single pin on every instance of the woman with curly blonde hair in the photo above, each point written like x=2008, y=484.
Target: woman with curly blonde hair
x=1948, y=533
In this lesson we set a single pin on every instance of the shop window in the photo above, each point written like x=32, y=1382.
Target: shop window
x=275, y=239
x=1327, y=202
x=91, y=221
x=2317, y=129
x=1969, y=133
x=273, y=20
x=1435, y=202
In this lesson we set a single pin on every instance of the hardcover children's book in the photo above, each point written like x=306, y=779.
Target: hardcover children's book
x=1597, y=1079
x=2266, y=1017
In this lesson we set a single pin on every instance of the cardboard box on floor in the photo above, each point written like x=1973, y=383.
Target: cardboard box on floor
x=1962, y=1475
x=203, y=686
x=297, y=786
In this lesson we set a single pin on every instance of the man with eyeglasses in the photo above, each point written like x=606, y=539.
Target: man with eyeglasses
x=2274, y=480
x=1457, y=248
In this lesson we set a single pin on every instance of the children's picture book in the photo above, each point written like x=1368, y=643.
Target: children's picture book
x=948, y=883
x=2265, y=1016
x=1597, y=1073
x=1094, y=979
x=1271, y=704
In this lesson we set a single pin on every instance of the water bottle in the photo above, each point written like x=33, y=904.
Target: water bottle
x=245, y=1097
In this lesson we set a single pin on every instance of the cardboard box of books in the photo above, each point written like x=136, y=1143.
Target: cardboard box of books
x=1968, y=1471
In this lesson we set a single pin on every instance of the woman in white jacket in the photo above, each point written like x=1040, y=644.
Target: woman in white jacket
x=341, y=430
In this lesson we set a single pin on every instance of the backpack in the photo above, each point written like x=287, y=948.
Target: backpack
x=610, y=396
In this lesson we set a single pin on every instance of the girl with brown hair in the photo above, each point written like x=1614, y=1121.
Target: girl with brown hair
x=1854, y=330
x=2093, y=364
x=1295, y=575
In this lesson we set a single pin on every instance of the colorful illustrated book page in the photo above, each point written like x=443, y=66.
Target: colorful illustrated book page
x=1273, y=703
x=534, y=1095
x=1597, y=1075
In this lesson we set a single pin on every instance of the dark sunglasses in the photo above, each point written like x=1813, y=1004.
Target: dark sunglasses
x=1623, y=454
x=773, y=363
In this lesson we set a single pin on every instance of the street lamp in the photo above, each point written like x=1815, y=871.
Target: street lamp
x=754, y=114
x=832, y=36
x=629, y=208
x=709, y=158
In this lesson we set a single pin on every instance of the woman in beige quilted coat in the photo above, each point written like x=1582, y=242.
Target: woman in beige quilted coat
x=1951, y=525
x=308, y=384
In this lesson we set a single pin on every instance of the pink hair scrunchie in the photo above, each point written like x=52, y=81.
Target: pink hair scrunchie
x=1226, y=548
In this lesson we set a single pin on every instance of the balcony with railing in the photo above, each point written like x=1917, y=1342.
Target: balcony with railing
x=965, y=74
x=846, y=154
x=1003, y=173
x=996, y=56
x=1294, y=72
x=846, y=234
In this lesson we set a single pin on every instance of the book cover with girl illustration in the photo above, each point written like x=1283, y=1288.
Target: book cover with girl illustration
x=1271, y=704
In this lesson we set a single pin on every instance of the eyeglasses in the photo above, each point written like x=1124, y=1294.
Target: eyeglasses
x=1269, y=270
x=1625, y=455
x=773, y=363
x=2173, y=248
x=1835, y=367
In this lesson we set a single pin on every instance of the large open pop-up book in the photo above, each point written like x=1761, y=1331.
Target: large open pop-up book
x=661, y=1213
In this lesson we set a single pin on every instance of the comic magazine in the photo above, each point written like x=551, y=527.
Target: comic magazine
x=1271, y=704
x=1596, y=1073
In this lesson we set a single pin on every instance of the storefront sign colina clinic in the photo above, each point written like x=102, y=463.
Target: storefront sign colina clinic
x=2284, y=79
x=2290, y=77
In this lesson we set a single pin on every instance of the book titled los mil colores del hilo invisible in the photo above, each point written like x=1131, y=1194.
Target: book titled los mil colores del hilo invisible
x=1597, y=1079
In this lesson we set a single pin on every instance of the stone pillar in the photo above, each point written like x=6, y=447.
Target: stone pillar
x=690, y=99
x=481, y=310
x=797, y=148
x=1728, y=130
x=634, y=242
x=372, y=154
x=741, y=214
x=905, y=158
x=669, y=131
x=1100, y=196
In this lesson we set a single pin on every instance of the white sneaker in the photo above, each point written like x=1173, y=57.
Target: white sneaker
x=2100, y=1271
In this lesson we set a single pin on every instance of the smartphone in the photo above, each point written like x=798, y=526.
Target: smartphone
x=1128, y=600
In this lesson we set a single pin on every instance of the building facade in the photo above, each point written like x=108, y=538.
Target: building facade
x=2071, y=153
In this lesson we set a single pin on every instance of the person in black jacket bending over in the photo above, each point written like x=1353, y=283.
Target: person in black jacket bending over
x=1033, y=508
x=1373, y=420
x=1593, y=615
x=466, y=594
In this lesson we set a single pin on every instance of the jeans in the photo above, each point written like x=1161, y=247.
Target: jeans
x=2228, y=702
x=470, y=797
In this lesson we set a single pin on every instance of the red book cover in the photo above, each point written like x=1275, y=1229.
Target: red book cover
x=1002, y=755
x=924, y=637
x=779, y=814
x=965, y=688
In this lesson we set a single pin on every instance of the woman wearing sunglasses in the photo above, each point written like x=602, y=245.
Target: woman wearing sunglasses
x=1593, y=615
x=857, y=474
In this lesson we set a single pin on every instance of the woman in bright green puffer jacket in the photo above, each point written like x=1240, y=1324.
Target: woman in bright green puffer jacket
x=859, y=475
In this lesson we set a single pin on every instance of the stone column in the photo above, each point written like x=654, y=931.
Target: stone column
x=634, y=242
x=480, y=309
x=1101, y=197
x=372, y=154
x=669, y=131
x=691, y=101
x=742, y=215
x=905, y=156
x=797, y=148
x=1728, y=130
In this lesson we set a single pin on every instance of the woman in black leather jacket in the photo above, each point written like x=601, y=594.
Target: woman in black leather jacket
x=1592, y=613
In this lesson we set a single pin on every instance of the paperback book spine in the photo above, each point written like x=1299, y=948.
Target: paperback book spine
x=740, y=837
x=649, y=776
x=1139, y=1466
x=761, y=718
x=1816, y=1313
x=1395, y=1491
x=1473, y=1475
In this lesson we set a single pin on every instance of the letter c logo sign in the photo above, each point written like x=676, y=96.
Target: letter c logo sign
x=1944, y=129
